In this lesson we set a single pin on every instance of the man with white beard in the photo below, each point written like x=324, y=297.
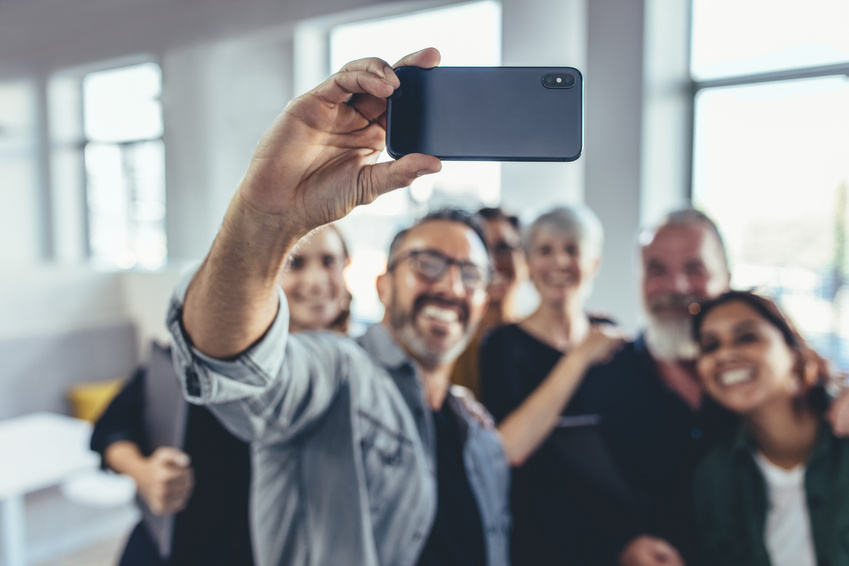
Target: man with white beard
x=653, y=417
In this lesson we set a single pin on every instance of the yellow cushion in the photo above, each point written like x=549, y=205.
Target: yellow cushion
x=89, y=400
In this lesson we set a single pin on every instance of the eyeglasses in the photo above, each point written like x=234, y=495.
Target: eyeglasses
x=433, y=265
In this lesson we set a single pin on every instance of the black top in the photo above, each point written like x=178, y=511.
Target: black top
x=457, y=535
x=213, y=528
x=652, y=433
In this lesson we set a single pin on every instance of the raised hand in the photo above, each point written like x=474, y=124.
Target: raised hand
x=317, y=160
x=315, y=163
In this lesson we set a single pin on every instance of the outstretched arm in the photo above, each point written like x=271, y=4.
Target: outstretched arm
x=529, y=425
x=315, y=163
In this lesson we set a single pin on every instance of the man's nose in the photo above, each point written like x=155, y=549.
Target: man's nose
x=451, y=282
x=681, y=283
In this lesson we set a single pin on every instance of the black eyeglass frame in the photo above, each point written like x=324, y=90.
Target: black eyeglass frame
x=482, y=275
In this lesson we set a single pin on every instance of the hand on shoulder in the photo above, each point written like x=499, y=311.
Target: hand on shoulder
x=467, y=399
x=600, y=343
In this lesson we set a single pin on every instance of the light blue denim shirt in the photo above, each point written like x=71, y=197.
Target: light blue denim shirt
x=343, y=445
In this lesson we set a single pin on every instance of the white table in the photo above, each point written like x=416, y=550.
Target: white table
x=36, y=451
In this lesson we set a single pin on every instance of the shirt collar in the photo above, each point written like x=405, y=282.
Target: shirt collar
x=743, y=444
x=383, y=348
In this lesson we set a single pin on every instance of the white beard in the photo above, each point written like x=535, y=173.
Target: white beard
x=671, y=339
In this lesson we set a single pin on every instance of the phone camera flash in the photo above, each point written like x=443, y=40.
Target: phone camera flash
x=559, y=80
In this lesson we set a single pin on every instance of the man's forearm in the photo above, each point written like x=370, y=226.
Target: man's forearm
x=232, y=299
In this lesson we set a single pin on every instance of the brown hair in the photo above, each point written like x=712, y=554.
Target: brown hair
x=769, y=311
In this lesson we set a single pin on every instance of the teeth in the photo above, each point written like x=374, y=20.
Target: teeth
x=735, y=376
x=440, y=314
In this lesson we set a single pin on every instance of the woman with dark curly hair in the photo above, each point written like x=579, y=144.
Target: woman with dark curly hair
x=777, y=492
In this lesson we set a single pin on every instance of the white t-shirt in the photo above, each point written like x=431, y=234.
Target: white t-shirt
x=788, y=527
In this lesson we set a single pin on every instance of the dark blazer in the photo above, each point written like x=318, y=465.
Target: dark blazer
x=213, y=528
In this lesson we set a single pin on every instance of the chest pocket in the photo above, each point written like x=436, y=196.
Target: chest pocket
x=387, y=458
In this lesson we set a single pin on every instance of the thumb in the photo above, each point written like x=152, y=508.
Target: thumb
x=381, y=178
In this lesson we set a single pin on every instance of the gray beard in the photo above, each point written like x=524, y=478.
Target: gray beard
x=670, y=340
x=403, y=323
x=428, y=358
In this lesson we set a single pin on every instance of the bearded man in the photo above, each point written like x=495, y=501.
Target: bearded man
x=652, y=418
x=362, y=454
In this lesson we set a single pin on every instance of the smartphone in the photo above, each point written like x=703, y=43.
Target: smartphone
x=487, y=113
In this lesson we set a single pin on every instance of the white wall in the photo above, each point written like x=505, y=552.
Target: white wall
x=220, y=99
x=20, y=213
x=228, y=69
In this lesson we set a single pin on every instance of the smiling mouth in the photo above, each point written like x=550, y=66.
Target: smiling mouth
x=736, y=376
x=440, y=314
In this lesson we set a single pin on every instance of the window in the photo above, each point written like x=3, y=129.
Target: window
x=21, y=204
x=466, y=35
x=125, y=167
x=771, y=140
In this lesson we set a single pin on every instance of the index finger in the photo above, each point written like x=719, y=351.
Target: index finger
x=426, y=58
x=373, y=108
x=364, y=76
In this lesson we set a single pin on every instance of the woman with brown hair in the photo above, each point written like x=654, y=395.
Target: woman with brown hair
x=777, y=492
x=204, y=482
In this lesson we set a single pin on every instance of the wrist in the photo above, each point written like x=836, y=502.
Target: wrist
x=579, y=358
x=259, y=239
x=125, y=458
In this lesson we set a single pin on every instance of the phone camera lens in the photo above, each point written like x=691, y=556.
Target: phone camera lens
x=558, y=80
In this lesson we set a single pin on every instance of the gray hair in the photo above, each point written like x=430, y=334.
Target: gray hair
x=687, y=217
x=577, y=221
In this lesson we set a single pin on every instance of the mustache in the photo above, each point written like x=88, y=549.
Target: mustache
x=672, y=301
x=421, y=300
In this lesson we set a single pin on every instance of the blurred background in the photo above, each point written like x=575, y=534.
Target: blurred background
x=125, y=127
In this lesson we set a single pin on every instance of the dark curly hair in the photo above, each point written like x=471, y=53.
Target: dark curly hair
x=817, y=395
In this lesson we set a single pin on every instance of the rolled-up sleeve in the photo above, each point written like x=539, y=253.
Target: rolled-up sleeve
x=271, y=391
x=246, y=375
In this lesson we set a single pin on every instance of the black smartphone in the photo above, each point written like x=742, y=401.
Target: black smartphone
x=487, y=113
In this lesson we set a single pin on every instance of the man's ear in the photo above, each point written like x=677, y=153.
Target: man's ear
x=384, y=289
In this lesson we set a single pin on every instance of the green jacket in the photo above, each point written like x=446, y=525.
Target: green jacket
x=730, y=503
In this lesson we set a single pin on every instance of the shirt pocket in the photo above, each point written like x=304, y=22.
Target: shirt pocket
x=387, y=458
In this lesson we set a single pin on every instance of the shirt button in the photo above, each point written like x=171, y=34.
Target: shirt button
x=192, y=382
